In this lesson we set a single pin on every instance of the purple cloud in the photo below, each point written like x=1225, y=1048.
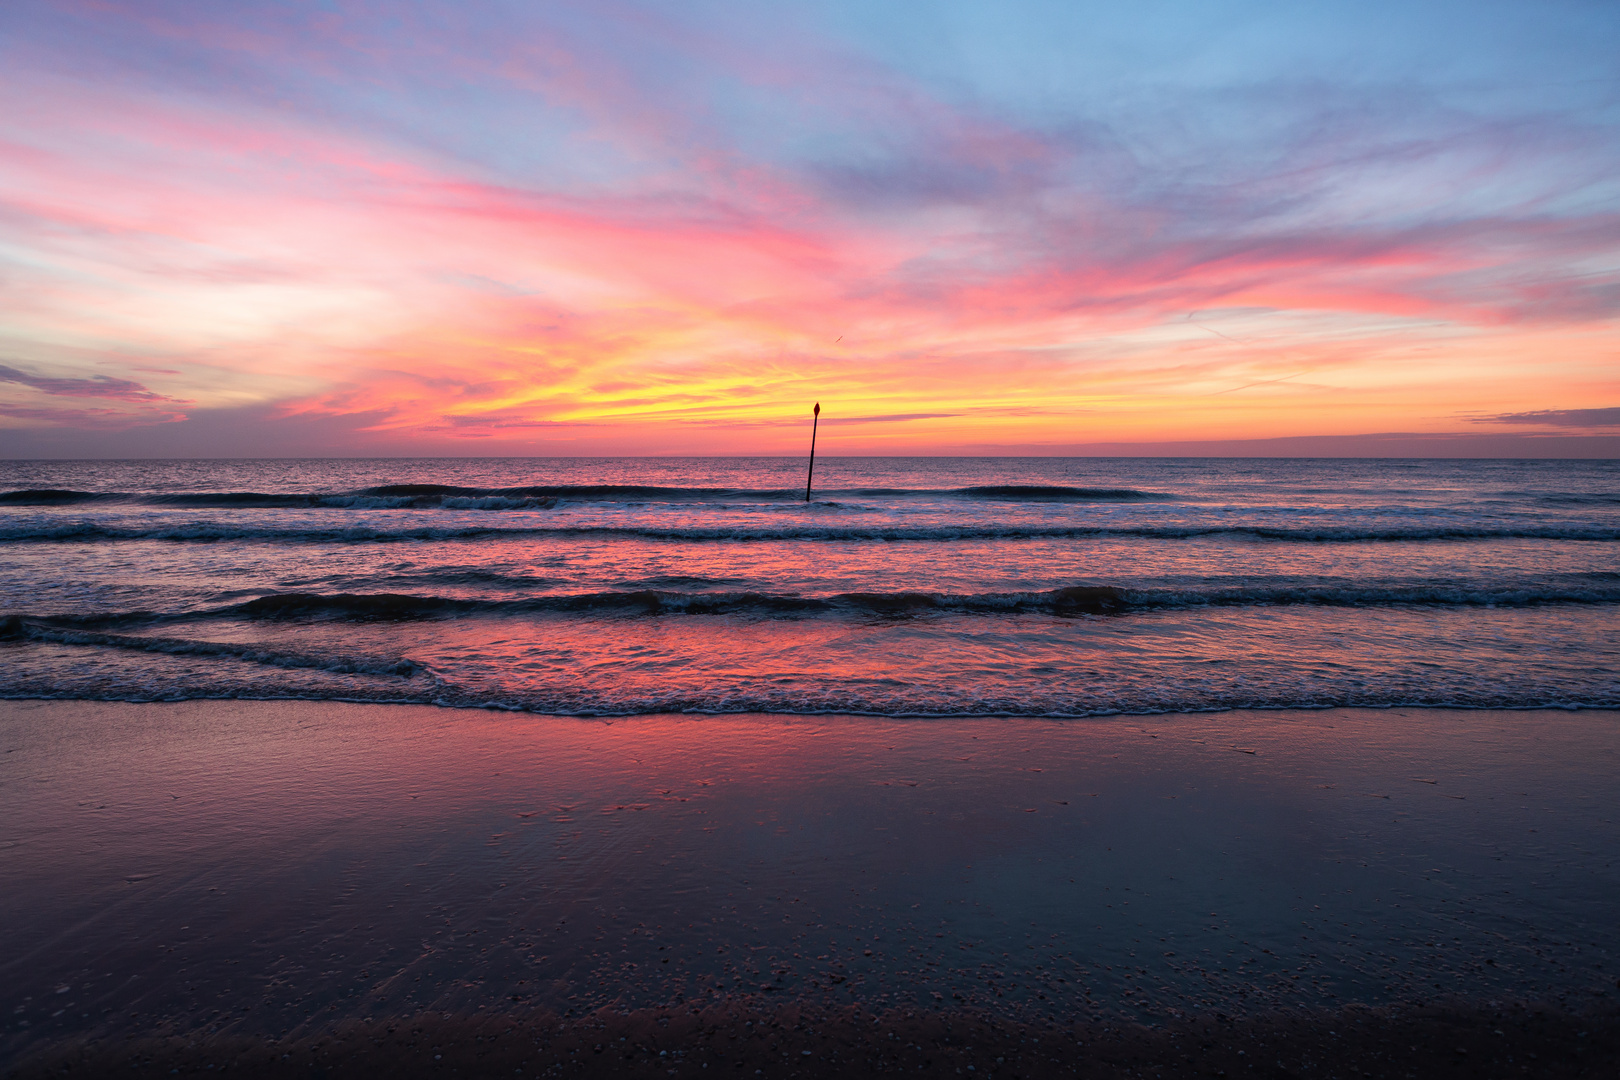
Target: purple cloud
x=1558, y=418
x=99, y=386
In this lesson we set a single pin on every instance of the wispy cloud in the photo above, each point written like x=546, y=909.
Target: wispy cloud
x=1572, y=418
x=97, y=386
x=890, y=418
x=451, y=222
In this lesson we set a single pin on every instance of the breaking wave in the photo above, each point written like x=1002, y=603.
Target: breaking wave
x=207, y=531
x=543, y=496
x=1070, y=600
x=17, y=628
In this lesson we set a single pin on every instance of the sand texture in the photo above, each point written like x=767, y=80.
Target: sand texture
x=210, y=880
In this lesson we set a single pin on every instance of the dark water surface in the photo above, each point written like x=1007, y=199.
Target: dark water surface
x=279, y=867
x=927, y=586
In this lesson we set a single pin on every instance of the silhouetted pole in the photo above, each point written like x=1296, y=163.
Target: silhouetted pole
x=812, y=473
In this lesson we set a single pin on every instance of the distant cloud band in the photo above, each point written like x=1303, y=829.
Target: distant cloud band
x=1578, y=418
x=889, y=418
x=100, y=386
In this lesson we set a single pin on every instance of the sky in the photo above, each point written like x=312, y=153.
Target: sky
x=441, y=228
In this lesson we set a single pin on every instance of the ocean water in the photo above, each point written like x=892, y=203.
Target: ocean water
x=905, y=587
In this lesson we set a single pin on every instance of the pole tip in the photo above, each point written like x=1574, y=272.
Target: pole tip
x=818, y=409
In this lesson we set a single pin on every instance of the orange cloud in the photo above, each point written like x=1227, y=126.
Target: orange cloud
x=957, y=277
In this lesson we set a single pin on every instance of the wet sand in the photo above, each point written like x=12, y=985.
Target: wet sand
x=212, y=880
x=807, y=1041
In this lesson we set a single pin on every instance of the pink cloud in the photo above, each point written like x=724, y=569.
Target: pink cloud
x=954, y=274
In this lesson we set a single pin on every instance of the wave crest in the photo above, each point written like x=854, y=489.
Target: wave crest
x=544, y=496
x=209, y=531
x=17, y=628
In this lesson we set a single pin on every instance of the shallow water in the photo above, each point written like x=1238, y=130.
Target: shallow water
x=906, y=587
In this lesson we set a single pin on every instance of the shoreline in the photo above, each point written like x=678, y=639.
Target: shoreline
x=260, y=874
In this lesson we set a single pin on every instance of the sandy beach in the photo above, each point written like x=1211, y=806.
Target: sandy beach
x=246, y=874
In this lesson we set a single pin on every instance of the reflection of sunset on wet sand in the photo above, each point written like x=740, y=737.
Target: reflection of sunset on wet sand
x=1142, y=868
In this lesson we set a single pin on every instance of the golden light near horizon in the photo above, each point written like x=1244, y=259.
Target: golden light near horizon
x=818, y=538
x=966, y=249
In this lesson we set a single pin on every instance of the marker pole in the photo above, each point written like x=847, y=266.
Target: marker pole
x=811, y=474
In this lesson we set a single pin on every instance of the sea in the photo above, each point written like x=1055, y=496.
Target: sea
x=903, y=587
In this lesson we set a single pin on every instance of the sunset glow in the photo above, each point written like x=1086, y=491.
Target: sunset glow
x=977, y=538
x=651, y=228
